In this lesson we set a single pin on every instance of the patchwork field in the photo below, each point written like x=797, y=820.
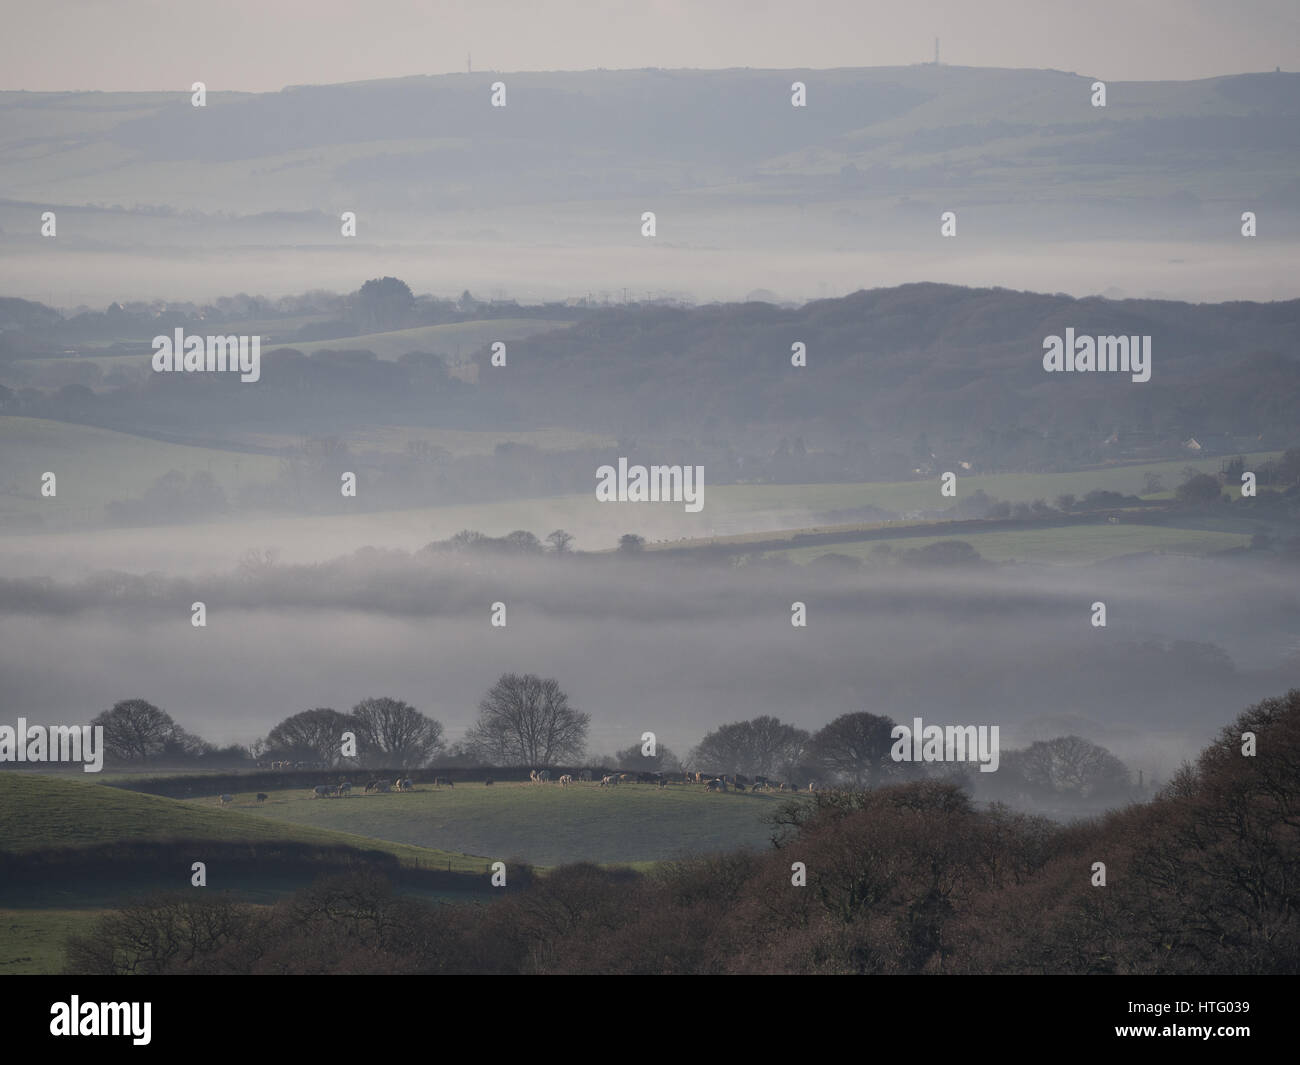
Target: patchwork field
x=102, y=466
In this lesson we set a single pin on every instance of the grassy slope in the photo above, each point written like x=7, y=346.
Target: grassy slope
x=96, y=466
x=546, y=824
x=38, y=810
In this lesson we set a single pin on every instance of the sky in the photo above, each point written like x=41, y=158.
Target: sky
x=264, y=45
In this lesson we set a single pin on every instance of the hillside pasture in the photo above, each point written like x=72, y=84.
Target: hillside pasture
x=545, y=824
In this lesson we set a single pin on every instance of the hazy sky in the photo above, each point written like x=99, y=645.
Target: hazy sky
x=261, y=45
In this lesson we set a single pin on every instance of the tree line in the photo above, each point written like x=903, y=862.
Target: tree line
x=527, y=720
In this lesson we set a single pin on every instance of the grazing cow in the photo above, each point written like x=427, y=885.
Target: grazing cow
x=261, y=797
x=738, y=786
x=321, y=791
x=715, y=785
x=370, y=786
x=383, y=786
x=345, y=788
x=609, y=781
x=566, y=780
x=226, y=800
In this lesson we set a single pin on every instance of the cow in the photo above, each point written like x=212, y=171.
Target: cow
x=406, y=784
x=738, y=786
x=226, y=800
x=566, y=780
x=609, y=781
x=383, y=787
x=261, y=797
x=715, y=785
x=320, y=791
x=812, y=785
x=345, y=788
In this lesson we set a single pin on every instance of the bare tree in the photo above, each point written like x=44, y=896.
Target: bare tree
x=560, y=541
x=316, y=735
x=853, y=746
x=136, y=730
x=526, y=720
x=1070, y=765
x=761, y=746
x=395, y=733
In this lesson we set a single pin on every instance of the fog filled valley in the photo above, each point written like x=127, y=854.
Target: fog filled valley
x=546, y=536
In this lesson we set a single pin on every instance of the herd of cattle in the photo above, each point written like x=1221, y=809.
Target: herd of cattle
x=711, y=782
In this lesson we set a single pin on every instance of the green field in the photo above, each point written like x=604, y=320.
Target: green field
x=31, y=940
x=96, y=466
x=904, y=496
x=42, y=810
x=450, y=338
x=546, y=824
x=634, y=824
x=1077, y=544
x=459, y=442
x=106, y=466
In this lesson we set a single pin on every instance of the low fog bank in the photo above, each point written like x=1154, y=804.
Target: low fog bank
x=670, y=646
